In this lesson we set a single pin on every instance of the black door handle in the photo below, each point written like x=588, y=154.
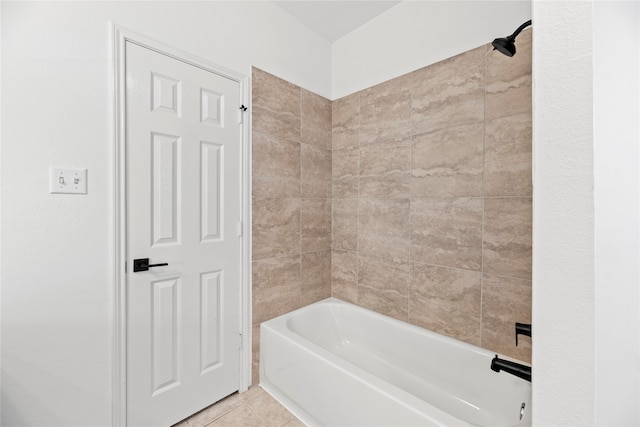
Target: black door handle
x=142, y=264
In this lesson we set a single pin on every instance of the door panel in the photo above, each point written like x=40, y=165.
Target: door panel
x=183, y=206
x=212, y=156
x=165, y=188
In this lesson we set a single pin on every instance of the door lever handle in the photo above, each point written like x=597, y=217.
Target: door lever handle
x=142, y=264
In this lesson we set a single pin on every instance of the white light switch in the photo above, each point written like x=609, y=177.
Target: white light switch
x=68, y=181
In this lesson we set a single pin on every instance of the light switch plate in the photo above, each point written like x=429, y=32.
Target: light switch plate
x=68, y=181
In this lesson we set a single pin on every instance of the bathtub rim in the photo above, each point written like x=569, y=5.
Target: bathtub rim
x=401, y=323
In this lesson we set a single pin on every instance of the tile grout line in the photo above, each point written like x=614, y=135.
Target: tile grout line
x=301, y=197
x=254, y=413
x=484, y=133
x=277, y=403
x=409, y=291
x=332, y=207
x=333, y=103
x=358, y=202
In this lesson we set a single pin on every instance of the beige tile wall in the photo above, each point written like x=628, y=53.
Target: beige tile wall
x=291, y=199
x=411, y=198
x=431, y=215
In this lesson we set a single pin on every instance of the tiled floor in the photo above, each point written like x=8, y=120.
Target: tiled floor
x=255, y=408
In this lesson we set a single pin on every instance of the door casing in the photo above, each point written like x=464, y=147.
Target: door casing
x=120, y=37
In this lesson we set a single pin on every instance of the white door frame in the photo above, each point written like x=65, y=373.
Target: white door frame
x=120, y=37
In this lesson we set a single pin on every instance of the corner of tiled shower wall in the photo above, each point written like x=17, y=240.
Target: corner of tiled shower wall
x=432, y=199
x=291, y=138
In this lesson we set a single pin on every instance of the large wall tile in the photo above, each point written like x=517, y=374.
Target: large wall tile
x=316, y=276
x=276, y=227
x=449, y=93
x=384, y=228
x=384, y=169
x=315, y=174
x=344, y=224
x=315, y=217
x=446, y=301
x=344, y=275
x=505, y=301
x=507, y=236
x=276, y=106
x=448, y=163
x=385, y=111
x=315, y=119
x=277, y=287
x=345, y=171
x=447, y=232
x=276, y=166
x=346, y=122
x=507, y=156
x=383, y=286
x=508, y=89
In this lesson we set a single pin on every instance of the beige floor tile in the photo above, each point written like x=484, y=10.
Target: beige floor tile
x=213, y=412
x=294, y=422
x=269, y=410
x=253, y=391
x=239, y=417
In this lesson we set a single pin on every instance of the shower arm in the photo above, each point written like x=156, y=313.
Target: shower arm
x=513, y=36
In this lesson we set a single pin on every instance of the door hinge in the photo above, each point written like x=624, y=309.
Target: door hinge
x=241, y=344
x=240, y=229
x=241, y=113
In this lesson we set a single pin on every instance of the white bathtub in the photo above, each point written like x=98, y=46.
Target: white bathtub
x=336, y=364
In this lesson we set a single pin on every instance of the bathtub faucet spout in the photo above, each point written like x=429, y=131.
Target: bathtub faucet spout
x=513, y=368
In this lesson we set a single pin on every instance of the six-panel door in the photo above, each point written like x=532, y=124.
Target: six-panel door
x=183, y=157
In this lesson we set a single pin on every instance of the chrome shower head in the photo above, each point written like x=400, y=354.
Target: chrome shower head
x=507, y=45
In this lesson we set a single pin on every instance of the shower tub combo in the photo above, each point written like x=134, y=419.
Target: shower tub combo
x=336, y=364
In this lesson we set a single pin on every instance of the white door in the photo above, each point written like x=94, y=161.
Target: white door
x=183, y=155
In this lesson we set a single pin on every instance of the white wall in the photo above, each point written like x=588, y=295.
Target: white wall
x=415, y=34
x=0, y=217
x=57, y=250
x=563, y=215
x=586, y=352
x=616, y=90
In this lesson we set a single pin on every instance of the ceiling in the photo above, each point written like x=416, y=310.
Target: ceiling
x=333, y=19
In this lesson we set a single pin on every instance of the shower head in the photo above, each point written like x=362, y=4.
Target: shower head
x=507, y=45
